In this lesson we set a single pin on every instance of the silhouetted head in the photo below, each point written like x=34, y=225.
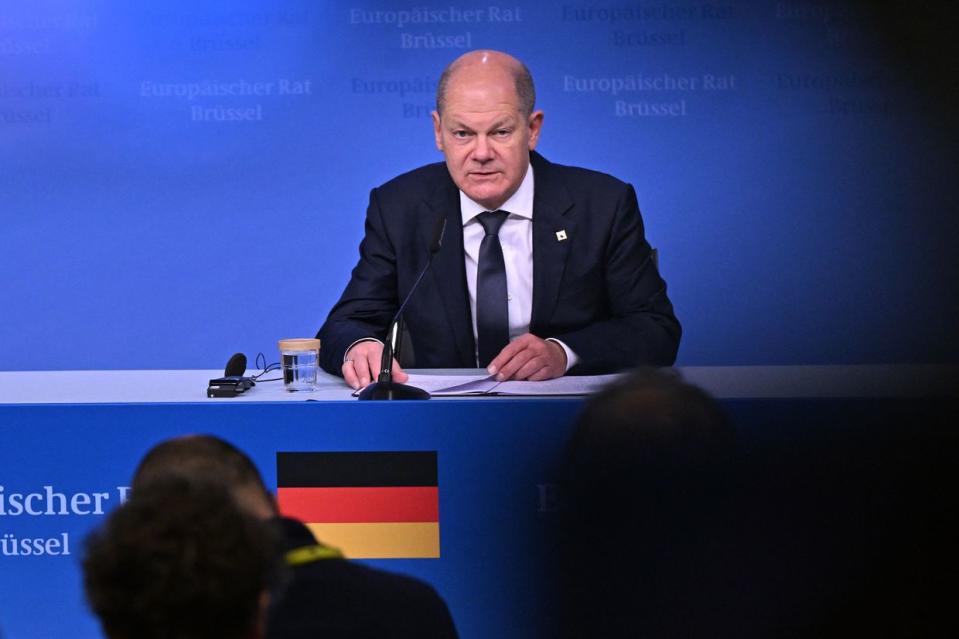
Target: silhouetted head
x=213, y=459
x=180, y=558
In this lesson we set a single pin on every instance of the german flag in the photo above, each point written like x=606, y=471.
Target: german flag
x=367, y=504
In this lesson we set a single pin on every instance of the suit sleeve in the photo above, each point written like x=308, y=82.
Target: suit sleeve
x=640, y=327
x=369, y=301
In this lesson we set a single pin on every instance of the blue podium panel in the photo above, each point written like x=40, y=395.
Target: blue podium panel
x=62, y=468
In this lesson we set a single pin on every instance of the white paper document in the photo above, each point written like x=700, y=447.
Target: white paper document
x=459, y=385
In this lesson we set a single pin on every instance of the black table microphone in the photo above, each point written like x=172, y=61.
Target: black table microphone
x=236, y=366
x=384, y=387
x=232, y=383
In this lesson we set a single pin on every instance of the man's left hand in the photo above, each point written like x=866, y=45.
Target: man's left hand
x=529, y=358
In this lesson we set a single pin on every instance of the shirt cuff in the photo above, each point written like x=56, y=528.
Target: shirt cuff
x=571, y=358
x=364, y=339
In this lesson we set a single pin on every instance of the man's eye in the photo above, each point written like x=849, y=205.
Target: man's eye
x=462, y=135
x=502, y=133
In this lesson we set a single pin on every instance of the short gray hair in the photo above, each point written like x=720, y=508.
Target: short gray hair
x=525, y=90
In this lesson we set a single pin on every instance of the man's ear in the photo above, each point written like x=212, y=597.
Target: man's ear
x=437, y=130
x=535, y=126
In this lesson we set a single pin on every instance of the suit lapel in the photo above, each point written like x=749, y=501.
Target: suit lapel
x=449, y=270
x=553, y=229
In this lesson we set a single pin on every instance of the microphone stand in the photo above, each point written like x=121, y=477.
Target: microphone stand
x=384, y=387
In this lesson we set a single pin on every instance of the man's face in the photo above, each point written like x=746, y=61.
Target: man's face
x=483, y=134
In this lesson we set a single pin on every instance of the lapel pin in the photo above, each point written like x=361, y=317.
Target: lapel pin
x=560, y=235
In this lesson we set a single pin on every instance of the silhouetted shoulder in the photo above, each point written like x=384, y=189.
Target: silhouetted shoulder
x=340, y=598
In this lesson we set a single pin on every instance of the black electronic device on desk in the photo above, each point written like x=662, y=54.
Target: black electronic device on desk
x=232, y=383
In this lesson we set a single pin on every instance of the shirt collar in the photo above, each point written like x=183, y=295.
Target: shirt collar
x=520, y=204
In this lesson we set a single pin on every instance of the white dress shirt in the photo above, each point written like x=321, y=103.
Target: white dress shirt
x=516, y=238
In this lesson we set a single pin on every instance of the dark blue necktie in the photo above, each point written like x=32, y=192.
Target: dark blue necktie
x=492, y=306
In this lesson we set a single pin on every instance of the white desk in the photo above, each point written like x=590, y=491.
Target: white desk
x=723, y=382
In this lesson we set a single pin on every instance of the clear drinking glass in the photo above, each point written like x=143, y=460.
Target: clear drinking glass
x=300, y=361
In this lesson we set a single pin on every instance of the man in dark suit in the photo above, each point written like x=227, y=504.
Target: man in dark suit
x=544, y=269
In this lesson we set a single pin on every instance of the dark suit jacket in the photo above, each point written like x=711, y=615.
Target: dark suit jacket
x=598, y=290
x=338, y=598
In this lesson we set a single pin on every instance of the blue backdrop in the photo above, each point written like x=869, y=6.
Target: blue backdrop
x=182, y=180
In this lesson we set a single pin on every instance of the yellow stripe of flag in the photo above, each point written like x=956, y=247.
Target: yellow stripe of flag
x=388, y=540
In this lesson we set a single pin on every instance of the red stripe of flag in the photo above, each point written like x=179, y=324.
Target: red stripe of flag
x=357, y=505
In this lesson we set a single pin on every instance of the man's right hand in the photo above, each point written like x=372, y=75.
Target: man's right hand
x=362, y=365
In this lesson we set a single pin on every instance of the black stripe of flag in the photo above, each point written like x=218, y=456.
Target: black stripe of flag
x=356, y=469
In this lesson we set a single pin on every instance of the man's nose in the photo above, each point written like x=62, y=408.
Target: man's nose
x=482, y=152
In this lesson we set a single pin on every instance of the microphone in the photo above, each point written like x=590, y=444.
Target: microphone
x=236, y=366
x=232, y=383
x=384, y=387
